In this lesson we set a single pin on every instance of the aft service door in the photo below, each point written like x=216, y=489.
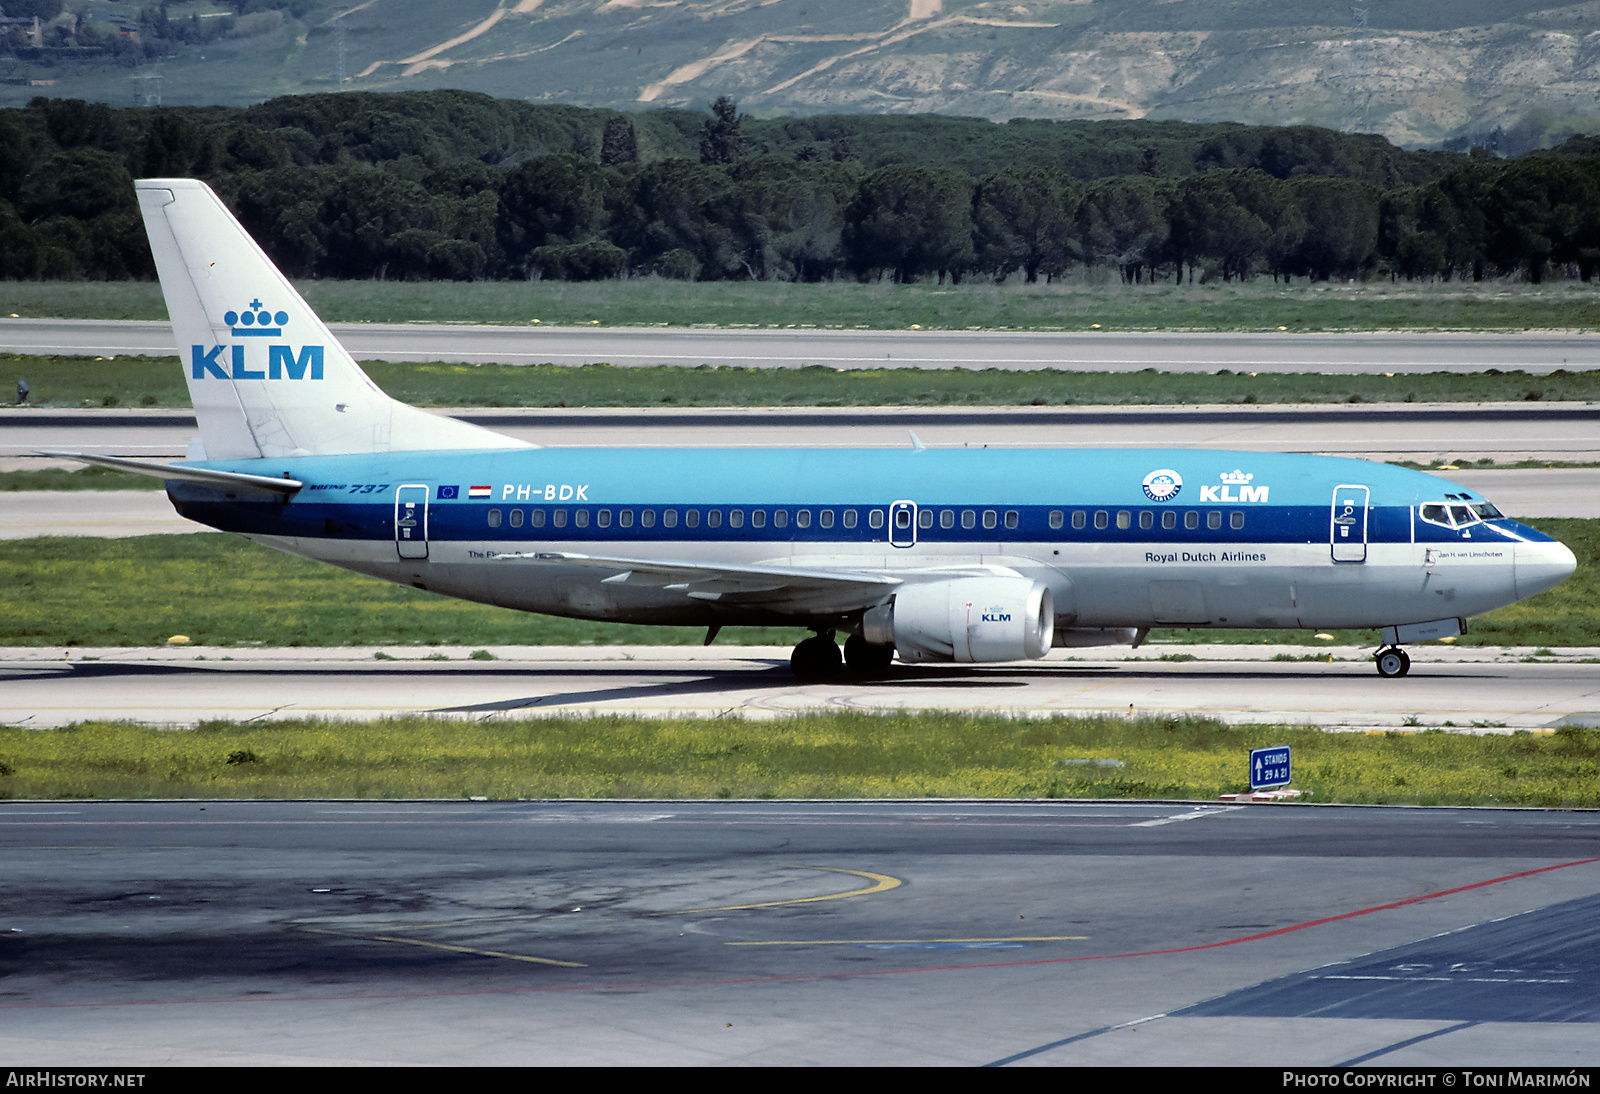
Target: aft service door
x=411, y=521
x=903, y=524
x=1347, y=526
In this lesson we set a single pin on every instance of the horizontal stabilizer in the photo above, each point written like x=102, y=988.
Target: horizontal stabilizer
x=204, y=476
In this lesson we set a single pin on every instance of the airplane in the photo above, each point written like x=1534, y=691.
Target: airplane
x=929, y=555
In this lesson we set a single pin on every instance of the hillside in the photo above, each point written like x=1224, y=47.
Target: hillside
x=1418, y=72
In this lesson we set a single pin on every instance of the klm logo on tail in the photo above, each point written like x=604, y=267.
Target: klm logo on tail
x=282, y=360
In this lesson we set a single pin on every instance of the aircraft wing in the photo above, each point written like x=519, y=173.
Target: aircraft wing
x=752, y=586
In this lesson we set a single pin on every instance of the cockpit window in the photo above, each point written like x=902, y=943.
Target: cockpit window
x=1458, y=516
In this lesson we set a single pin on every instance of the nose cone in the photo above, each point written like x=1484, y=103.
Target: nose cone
x=1542, y=566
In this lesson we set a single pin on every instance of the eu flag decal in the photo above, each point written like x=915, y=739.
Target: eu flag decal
x=447, y=492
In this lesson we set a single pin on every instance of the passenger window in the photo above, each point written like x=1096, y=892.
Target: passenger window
x=1191, y=520
x=1124, y=520
x=1147, y=519
x=1078, y=520
x=516, y=518
x=1057, y=518
x=560, y=518
x=989, y=518
x=1236, y=520
x=969, y=518
x=536, y=517
x=875, y=518
x=669, y=518
x=1169, y=519
x=925, y=518
x=947, y=519
x=691, y=518
x=1214, y=519
x=625, y=518
x=1102, y=520
x=826, y=518
x=1012, y=520
x=802, y=519
x=603, y=518
x=580, y=517
x=758, y=519
x=780, y=518
x=713, y=518
x=849, y=518
x=736, y=518
x=647, y=518
x=494, y=518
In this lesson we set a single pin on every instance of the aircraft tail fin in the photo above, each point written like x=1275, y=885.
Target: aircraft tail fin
x=267, y=378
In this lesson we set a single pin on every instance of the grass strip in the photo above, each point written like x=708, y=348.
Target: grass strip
x=221, y=590
x=66, y=478
x=824, y=755
x=158, y=382
x=1087, y=300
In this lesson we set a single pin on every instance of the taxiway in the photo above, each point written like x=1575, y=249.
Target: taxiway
x=855, y=933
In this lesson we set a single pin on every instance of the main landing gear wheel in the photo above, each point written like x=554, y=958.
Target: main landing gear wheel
x=816, y=658
x=866, y=657
x=1392, y=663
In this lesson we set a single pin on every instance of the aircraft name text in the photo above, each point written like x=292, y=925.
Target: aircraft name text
x=1205, y=556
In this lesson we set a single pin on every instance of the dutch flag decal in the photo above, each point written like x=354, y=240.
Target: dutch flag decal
x=479, y=491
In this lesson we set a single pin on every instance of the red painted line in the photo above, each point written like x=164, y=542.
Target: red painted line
x=602, y=986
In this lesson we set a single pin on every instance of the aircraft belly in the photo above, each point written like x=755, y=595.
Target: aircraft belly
x=1282, y=585
x=1096, y=585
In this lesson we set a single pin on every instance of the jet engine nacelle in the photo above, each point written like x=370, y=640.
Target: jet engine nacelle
x=967, y=619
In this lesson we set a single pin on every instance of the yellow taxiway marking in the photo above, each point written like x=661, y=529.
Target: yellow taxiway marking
x=911, y=941
x=453, y=949
x=880, y=883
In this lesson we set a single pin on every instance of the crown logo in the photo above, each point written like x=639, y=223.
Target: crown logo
x=256, y=322
x=1236, y=477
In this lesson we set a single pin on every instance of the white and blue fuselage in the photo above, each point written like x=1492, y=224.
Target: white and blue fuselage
x=966, y=555
x=1219, y=539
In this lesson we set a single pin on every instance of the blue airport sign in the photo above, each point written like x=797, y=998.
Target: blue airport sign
x=1269, y=767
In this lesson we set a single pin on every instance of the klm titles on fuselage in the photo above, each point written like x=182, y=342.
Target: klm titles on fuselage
x=283, y=361
x=1225, y=492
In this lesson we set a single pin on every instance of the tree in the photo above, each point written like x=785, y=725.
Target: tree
x=1541, y=212
x=666, y=207
x=721, y=138
x=1024, y=218
x=1243, y=221
x=1341, y=235
x=174, y=147
x=911, y=220
x=1123, y=223
x=618, y=142
x=785, y=218
x=550, y=201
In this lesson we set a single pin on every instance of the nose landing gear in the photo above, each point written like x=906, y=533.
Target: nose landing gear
x=1392, y=662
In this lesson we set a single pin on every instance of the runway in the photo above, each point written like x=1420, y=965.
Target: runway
x=1534, y=352
x=771, y=933
x=1566, y=432
x=1488, y=690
